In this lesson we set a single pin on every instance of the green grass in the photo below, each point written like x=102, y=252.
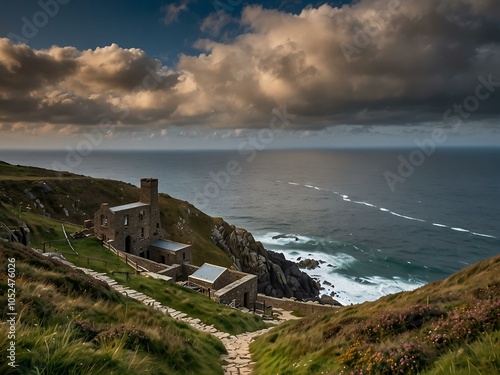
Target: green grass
x=479, y=358
x=91, y=254
x=451, y=325
x=195, y=305
x=192, y=303
x=69, y=323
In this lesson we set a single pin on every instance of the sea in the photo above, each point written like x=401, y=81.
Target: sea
x=378, y=221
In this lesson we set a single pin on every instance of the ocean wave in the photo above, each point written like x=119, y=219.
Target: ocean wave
x=332, y=268
x=349, y=289
x=440, y=225
x=406, y=217
x=459, y=229
x=483, y=235
x=402, y=216
x=365, y=203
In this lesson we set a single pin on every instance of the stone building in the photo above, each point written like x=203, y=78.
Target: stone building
x=226, y=286
x=135, y=228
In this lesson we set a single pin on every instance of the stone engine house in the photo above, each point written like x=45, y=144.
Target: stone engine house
x=135, y=228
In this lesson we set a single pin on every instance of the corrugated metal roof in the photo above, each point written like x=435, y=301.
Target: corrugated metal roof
x=128, y=206
x=169, y=245
x=209, y=272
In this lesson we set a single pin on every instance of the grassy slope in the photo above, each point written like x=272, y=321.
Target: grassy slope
x=82, y=196
x=448, y=327
x=69, y=323
x=93, y=255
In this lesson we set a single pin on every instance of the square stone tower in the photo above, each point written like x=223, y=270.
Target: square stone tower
x=149, y=195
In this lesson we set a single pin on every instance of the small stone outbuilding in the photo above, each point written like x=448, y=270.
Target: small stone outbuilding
x=226, y=286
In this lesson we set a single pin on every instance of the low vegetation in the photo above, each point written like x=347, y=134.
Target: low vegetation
x=448, y=327
x=69, y=323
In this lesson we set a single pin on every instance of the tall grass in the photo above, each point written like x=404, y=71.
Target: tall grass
x=70, y=324
x=478, y=358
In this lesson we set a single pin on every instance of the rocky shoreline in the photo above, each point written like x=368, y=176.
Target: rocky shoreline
x=278, y=277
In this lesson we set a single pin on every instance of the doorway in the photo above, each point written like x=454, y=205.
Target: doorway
x=128, y=244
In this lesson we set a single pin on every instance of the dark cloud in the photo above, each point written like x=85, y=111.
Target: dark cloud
x=375, y=62
x=22, y=68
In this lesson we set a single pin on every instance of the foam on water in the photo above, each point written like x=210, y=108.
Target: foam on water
x=346, y=198
x=347, y=289
x=460, y=229
x=406, y=217
x=483, y=235
x=350, y=289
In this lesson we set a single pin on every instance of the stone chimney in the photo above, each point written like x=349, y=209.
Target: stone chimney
x=149, y=195
x=149, y=191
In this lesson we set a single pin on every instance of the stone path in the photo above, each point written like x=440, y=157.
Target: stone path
x=237, y=359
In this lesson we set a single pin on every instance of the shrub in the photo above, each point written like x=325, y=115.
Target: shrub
x=465, y=323
x=394, y=323
x=407, y=358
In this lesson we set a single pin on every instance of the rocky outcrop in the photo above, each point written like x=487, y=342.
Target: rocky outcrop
x=277, y=276
x=328, y=300
x=310, y=264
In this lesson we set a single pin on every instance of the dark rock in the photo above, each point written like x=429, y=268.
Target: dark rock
x=310, y=264
x=279, y=236
x=328, y=300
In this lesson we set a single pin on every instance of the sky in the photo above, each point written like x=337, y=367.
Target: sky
x=194, y=74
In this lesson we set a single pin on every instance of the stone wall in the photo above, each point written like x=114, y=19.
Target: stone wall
x=243, y=291
x=146, y=263
x=291, y=305
x=188, y=269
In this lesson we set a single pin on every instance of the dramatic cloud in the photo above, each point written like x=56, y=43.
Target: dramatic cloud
x=375, y=62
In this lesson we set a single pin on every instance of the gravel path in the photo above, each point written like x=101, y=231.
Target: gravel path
x=237, y=360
